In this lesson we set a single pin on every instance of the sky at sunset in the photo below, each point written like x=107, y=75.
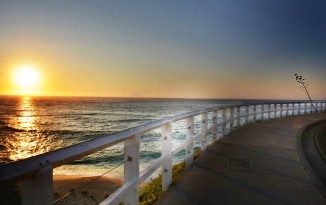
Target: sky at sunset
x=171, y=48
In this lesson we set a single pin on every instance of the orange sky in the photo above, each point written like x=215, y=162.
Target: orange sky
x=116, y=83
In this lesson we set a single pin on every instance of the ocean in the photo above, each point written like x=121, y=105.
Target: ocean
x=34, y=125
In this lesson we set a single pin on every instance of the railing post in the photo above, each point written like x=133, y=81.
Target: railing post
x=286, y=109
x=275, y=110
x=269, y=111
x=223, y=122
x=204, y=128
x=214, y=125
x=299, y=108
x=190, y=135
x=292, y=109
x=166, y=150
x=255, y=113
x=311, y=110
x=262, y=111
x=231, y=118
x=247, y=114
x=306, y=108
x=39, y=188
x=303, y=108
x=239, y=116
x=131, y=168
x=321, y=107
x=315, y=107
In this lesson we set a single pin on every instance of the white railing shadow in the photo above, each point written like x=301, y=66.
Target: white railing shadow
x=35, y=174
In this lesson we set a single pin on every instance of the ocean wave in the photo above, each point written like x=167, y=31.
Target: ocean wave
x=132, y=120
x=100, y=159
x=7, y=128
x=148, y=155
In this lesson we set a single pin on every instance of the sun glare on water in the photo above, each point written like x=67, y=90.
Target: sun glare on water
x=26, y=76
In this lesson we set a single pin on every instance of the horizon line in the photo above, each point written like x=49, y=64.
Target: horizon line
x=154, y=98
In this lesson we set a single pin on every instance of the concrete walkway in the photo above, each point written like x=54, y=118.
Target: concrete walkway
x=256, y=164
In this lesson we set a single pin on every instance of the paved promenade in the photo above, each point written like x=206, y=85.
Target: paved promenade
x=256, y=164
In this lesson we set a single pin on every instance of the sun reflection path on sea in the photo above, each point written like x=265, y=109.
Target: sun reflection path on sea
x=27, y=140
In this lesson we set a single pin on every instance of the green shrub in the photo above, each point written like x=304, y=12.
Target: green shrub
x=152, y=191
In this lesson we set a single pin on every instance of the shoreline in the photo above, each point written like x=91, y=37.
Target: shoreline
x=77, y=190
x=83, y=189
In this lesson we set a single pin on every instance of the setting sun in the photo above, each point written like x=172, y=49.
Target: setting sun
x=26, y=76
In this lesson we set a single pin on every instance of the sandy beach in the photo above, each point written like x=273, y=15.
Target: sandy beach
x=81, y=190
x=77, y=190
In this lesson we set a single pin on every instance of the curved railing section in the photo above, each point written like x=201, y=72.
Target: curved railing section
x=35, y=174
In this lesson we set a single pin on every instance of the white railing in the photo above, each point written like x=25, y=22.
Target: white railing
x=35, y=174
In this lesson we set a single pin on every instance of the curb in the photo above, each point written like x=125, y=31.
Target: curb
x=321, y=151
x=306, y=165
